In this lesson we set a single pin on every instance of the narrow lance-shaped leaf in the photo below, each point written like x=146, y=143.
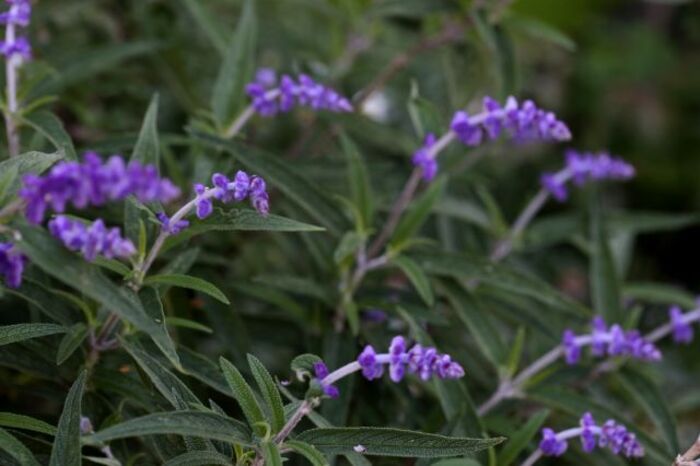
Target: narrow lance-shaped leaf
x=382, y=441
x=269, y=391
x=271, y=454
x=244, y=395
x=199, y=458
x=414, y=218
x=16, y=449
x=358, y=178
x=19, y=421
x=417, y=277
x=29, y=162
x=147, y=149
x=187, y=281
x=51, y=127
x=66, y=447
x=521, y=438
x=308, y=451
x=71, y=342
x=20, y=332
x=605, y=283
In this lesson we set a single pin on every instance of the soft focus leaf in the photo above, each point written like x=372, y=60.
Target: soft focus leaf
x=414, y=218
x=19, y=332
x=358, y=178
x=418, y=278
x=18, y=421
x=71, y=342
x=199, y=458
x=186, y=281
x=51, y=127
x=29, y=162
x=269, y=392
x=271, y=454
x=383, y=441
x=605, y=283
x=16, y=449
x=66, y=447
x=147, y=149
x=308, y=451
x=521, y=438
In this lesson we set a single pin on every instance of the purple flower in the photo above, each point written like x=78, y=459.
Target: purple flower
x=225, y=190
x=682, y=332
x=425, y=362
x=91, y=240
x=95, y=183
x=321, y=372
x=423, y=159
x=614, y=341
x=204, y=204
x=611, y=434
x=582, y=167
x=522, y=123
x=19, y=14
x=168, y=226
x=270, y=96
x=14, y=46
x=19, y=47
x=12, y=264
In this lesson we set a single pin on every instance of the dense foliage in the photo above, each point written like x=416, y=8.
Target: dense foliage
x=344, y=232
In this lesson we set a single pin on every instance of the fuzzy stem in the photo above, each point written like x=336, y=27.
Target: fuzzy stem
x=11, y=65
x=239, y=122
x=688, y=458
x=304, y=409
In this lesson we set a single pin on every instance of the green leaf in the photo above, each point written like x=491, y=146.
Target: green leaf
x=187, y=323
x=417, y=277
x=384, y=441
x=189, y=282
x=645, y=392
x=18, y=421
x=65, y=266
x=521, y=438
x=239, y=220
x=347, y=247
x=516, y=351
x=237, y=69
x=541, y=30
x=285, y=177
x=360, y=187
x=71, y=342
x=147, y=148
x=658, y=293
x=199, y=458
x=66, y=447
x=29, y=162
x=605, y=283
x=207, y=24
x=20, y=332
x=457, y=462
x=16, y=449
x=186, y=423
x=271, y=454
x=51, y=127
x=414, y=218
x=269, y=391
x=303, y=365
x=244, y=396
x=308, y=451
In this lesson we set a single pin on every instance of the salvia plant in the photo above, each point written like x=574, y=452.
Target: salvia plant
x=312, y=264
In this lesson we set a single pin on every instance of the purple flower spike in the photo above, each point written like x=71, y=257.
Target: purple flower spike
x=582, y=167
x=12, y=264
x=612, y=435
x=321, y=372
x=243, y=186
x=425, y=362
x=469, y=133
x=93, y=183
x=15, y=46
x=614, y=341
x=423, y=159
x=270, y=97
x=171, y=228
x=204, y=204
x=682, y=331
x=91, y=240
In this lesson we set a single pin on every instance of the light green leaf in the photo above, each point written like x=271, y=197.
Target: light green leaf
x=269, y=391
x=239, y=220
x=29, y=162
x=521, y=438
x=244, y=395
x=383, y=441
x=416, y=216
x=271, y=454
x=360, y=187
x=604, y=280
x=20, y=332
x=51, y=127
x=207, y=24
x=189, y=282
x=71, y=342
x=199, y=458
x=16, y=449
x=18, y=421
x=66, y=447
x=187, y=323
x=308, y=451
x=65, y=266
x=147, y=148
x=285, y=177
x=186, y=423
x=237, y=69
x=417, y=277
x=659, y=293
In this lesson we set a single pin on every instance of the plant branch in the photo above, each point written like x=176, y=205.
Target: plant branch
x=11, y=66
x=688, y=458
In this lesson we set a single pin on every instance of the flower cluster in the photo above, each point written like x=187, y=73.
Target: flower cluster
x=172, y=228
x=426, y=362
x=321, y=372
x=12, y=264
x=19, y=14
x=241, y=187
x=93, y=182
x=522, y=122
x=91, y=240
x=424, y=159
x=681, y=330
x=613, y=341
x=582, y=167
x=271, y=96
x=612, y=435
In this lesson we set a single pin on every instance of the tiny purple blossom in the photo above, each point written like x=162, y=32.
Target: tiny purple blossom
x=91, y=240
x=423, y=159
x=168, y=226
x=321, y=372
x=12, y=264
x=682, y=332
x=243, y=186
x=555, y=187
x=572, y=350
x=551, y=445
x=371, y=369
